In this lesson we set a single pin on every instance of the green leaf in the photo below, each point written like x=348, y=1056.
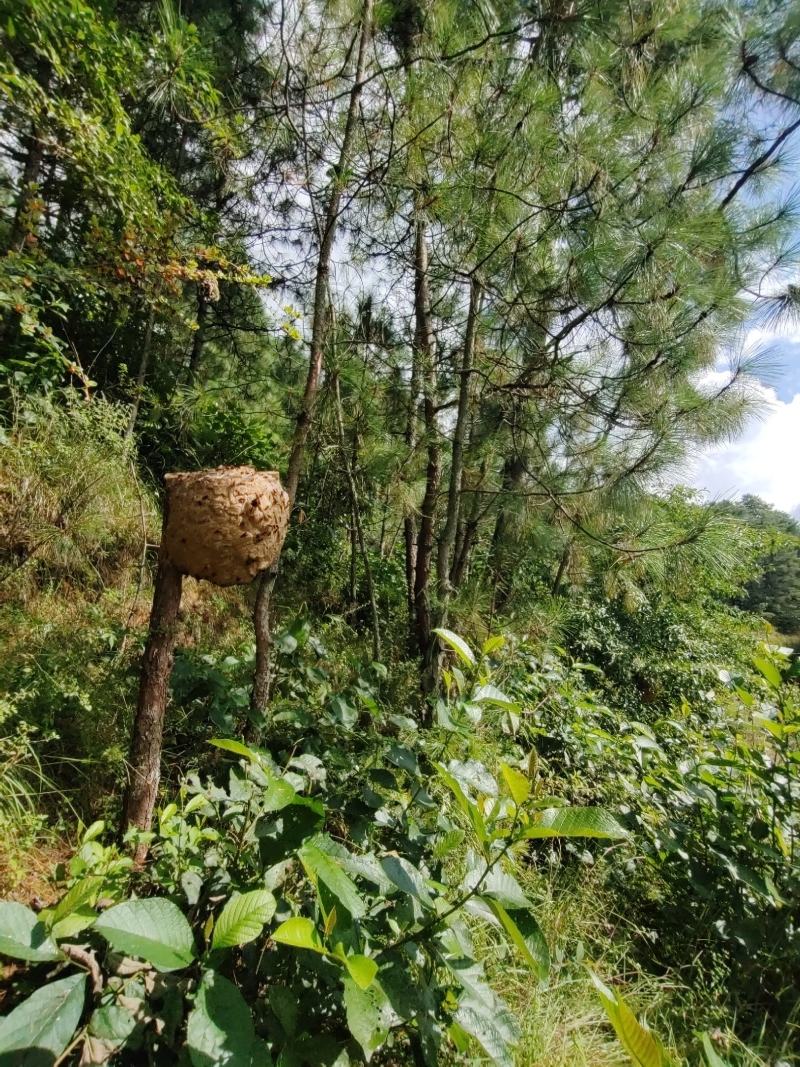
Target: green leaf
x=639, y=1042
x=299, y=932
x=406, y=877
x=94, y=831
x=458, y=644
x=321, y=866
x=768, y=670
x=497, y=883
x=362, y=970
x=154, y=929
x=227, y=744
x=367, y=1022
x=110, y=1028
x=23, y=935
x=490, y=694
x=468, y=806
x=220, y=1029
x=40, y=1028
x=491, y=644
x=518, y=785
x=243, y=918
x=82, y=895
x=483, y=1015
x=576, y=822
x=526, y=935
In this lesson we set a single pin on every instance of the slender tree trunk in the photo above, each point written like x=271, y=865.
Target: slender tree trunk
x=319, y=324
x=512, y=476
x=423, y=343
x=144, y=363
x=409, y=521
x=447, y=539
x=358, y=526
x=148, y=725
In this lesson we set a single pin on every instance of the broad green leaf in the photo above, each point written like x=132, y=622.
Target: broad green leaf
x=110, y=1027
x=485, y=1017
x=474, y=775
x=768, y=670
x=94, y=831
x=74, y=924
x=491, y=644
x=777, y=729
x=40, y=1028
x=495, y=883
x=82, y=895
x=458, y=644
x=195, y=804
x=220, y=1029
x=490, y=694
x=362, y=970
x=366, y=1020
x=638, y=1041
x=406, y=877
x=518, y=785
x=321, y=865
x=227, y=744
x=469, y=807
x=243, y=917
x=576, y=822
x=404, y=758
x=153, y=929
x=526, y=935
x=23, y=935
x=299, y=932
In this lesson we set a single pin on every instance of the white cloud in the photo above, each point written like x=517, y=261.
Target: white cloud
x=764, y=460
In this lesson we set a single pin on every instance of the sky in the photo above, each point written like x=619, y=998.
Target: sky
x=765, y=458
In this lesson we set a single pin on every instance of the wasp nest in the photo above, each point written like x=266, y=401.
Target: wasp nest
x=226, y=524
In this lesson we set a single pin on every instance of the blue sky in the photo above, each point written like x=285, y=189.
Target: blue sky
x=765, y=458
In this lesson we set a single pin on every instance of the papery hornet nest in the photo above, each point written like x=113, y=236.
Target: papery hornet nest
x=225, y=525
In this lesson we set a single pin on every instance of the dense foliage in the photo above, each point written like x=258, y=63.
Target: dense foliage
x=473, y=277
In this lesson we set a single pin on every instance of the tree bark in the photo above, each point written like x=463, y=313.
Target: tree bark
x=424, y=345
x=447, y=541
x=141, y=376
x=358, y=525
x=148, y=725
x=319, y=323
x=448, y=536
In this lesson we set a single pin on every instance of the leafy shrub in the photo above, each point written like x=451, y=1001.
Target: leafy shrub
x=711, y=793
x=299, y=913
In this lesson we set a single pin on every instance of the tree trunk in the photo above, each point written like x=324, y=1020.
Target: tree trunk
x=409, y=521
x=447, y=541
x=319, y=323
x=148, y=725
x=423, y=343
x=358, y=526
x=144, y=363
x=448, y=536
